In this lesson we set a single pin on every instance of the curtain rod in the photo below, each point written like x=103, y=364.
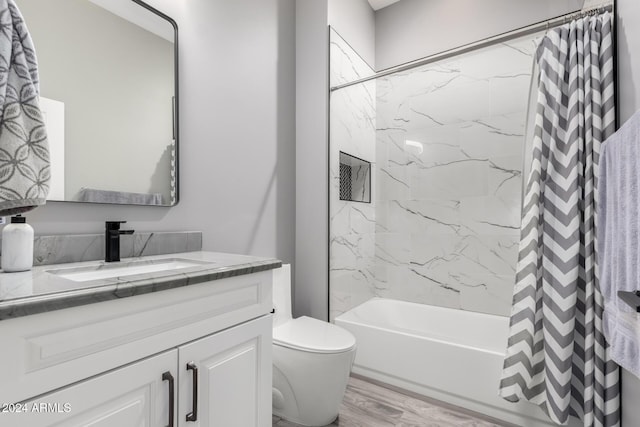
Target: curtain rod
x=500, y=38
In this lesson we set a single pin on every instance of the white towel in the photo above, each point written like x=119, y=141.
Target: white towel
x=118, y=197
x=24, y=149
x=618, y=234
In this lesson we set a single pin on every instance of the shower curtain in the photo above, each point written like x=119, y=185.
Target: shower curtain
x=557, y=357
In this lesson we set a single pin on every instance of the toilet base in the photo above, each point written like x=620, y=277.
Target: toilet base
x=298, y=422
x=309, y=387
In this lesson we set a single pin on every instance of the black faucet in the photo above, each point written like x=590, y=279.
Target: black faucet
x=112, y=240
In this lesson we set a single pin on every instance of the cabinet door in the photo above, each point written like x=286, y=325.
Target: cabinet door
x=232, y=374
x=137, y=395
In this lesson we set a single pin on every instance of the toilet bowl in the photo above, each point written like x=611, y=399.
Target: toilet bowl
x=312, y=360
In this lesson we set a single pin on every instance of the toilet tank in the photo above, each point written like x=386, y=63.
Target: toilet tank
x=282, y=294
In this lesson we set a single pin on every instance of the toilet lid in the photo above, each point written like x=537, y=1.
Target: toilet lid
x=312, y=335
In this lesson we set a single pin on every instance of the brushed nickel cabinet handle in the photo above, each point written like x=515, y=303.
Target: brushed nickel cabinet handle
x=193, y=415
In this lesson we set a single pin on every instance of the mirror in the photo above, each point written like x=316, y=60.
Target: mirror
x=108, y=87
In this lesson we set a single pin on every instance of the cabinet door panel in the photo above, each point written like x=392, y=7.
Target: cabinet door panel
x=132, y=396
x=234, y=377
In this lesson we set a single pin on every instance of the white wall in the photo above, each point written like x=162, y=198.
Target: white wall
x=628, y=57
x=312, y=182
x=237, y=148
x=412, y=29
x=354, y=20
x=629, y=102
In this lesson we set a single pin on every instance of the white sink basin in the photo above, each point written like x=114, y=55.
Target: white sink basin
x=112, y=271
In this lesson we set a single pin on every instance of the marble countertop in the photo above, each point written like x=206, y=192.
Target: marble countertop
x=42, y=289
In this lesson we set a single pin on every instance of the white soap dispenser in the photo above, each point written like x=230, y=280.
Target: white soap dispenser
x=17, y=245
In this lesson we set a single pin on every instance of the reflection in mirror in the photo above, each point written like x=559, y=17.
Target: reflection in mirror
x=108, y=87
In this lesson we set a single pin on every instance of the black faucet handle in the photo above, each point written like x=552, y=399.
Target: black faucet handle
x=112, y=240
x=113, y=225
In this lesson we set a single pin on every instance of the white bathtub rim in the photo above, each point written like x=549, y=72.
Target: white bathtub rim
x=431, y=306
x=413, y=335
x=350, y=318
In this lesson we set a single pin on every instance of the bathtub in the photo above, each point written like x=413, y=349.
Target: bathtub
x=451, y=355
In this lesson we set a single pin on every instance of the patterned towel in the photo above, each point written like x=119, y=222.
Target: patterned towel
x=24, y=149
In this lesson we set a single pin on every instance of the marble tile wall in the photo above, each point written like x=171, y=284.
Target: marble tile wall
x=450, y=144
x=360, y=183
x=447, y=158
x=352, y=224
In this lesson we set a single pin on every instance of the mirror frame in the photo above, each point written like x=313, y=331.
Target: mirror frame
x=176, y=116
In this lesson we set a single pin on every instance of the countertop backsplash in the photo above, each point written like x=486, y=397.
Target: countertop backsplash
x=90, y=247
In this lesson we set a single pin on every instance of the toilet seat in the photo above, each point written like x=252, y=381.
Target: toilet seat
x=314, y=336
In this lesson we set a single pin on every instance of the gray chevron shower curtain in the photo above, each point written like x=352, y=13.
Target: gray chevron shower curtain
x=557, y=357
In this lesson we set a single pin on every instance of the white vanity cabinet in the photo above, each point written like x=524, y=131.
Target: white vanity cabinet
x=137, y=395
x=225, y=379
x=112, y=363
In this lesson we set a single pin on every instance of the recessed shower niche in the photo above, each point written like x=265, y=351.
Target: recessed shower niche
x=355, y=179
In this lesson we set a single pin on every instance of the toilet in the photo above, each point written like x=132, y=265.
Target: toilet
x=312, y=360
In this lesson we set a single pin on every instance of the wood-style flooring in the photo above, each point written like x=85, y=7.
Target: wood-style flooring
x=371, y=405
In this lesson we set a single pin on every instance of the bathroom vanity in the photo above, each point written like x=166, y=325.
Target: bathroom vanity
x=171, y=340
